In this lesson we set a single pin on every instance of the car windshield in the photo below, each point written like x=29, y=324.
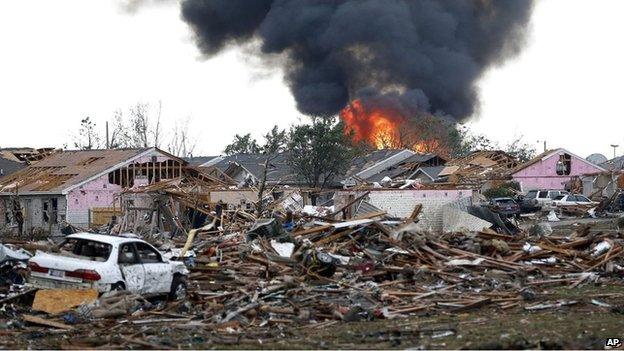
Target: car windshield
x=85, y=249
x=559, y=197
x=531, y=194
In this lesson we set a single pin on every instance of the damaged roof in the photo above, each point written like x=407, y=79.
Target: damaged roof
x=279, y=171
x=548, y=154
x=26, y=155
x=202, y=161
x=392, y=163
x=9, y=166
x=431, y=172
x=66, y=169
x=480, y=166
x=614, y=164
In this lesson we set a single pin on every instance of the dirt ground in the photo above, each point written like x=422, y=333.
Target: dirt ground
x=583, y=325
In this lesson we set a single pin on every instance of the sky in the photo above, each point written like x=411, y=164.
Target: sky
x=61, y=61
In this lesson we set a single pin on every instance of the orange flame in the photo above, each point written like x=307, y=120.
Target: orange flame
x=384, y=128
x=378, y=127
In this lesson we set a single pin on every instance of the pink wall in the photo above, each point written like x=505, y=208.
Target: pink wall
x=98, y=193
x=543, y=175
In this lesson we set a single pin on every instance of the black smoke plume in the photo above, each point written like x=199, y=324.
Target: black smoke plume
x=428, y=52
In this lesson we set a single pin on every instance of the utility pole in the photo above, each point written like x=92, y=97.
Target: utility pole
x=544, y=143
x=614, y=146
x=107, y=142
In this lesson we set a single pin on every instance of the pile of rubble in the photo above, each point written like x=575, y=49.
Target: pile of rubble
x=249, y=276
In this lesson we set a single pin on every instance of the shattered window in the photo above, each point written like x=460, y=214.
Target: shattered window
x=147, y=253
x=80, y=248
x=564, y=165
x=127, y=255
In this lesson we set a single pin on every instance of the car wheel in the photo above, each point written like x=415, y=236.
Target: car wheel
x=178, y=289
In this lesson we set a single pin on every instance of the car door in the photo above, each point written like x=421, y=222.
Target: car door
x=131, y=268
x=158, y=275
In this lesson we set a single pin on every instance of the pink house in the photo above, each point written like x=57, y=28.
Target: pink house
x=70, y=186
x=552, y=170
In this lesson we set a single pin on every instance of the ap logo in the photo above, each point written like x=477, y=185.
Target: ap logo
x=613, y=343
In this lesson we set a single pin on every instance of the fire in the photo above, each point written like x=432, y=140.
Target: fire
x=376, y=126
x=426, y=146
x=386, y=128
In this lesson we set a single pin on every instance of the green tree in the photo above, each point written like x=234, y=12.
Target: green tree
x=320, y=151
x=274, y=141
x=520, y=149
x=245, y=144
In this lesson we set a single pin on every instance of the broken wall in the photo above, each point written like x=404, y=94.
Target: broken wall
x=233, y=198
x=401, y=203
x=39, y=211
x=103, y=192
x=543, y=174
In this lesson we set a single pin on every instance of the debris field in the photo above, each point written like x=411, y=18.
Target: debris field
x=253, y=282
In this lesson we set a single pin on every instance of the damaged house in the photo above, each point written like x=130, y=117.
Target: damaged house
x=79, y=187
x=388, y=165
x=9, y=166
x=478, y=170
x=26, y=155
x=552, y=169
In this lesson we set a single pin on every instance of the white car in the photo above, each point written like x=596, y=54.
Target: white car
x=106, y=263
x=572, y=200
x=544, y=197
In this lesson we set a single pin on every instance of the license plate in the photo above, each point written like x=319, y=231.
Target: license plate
x=57, y=273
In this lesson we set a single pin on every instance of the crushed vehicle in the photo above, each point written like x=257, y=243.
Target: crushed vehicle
x=504, y=206
x=573, y=200
x=105, y=263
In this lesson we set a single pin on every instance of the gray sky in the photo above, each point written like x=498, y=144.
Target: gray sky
x=63, y=60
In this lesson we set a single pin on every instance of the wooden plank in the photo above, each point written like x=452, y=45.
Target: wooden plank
x=312, y=230
x=472, y=305
x=40, y=321
x=333, y=237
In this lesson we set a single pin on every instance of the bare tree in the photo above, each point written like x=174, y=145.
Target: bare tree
x=180, y=143
x=88, y=138
x=119, y=136
x=145, y=132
